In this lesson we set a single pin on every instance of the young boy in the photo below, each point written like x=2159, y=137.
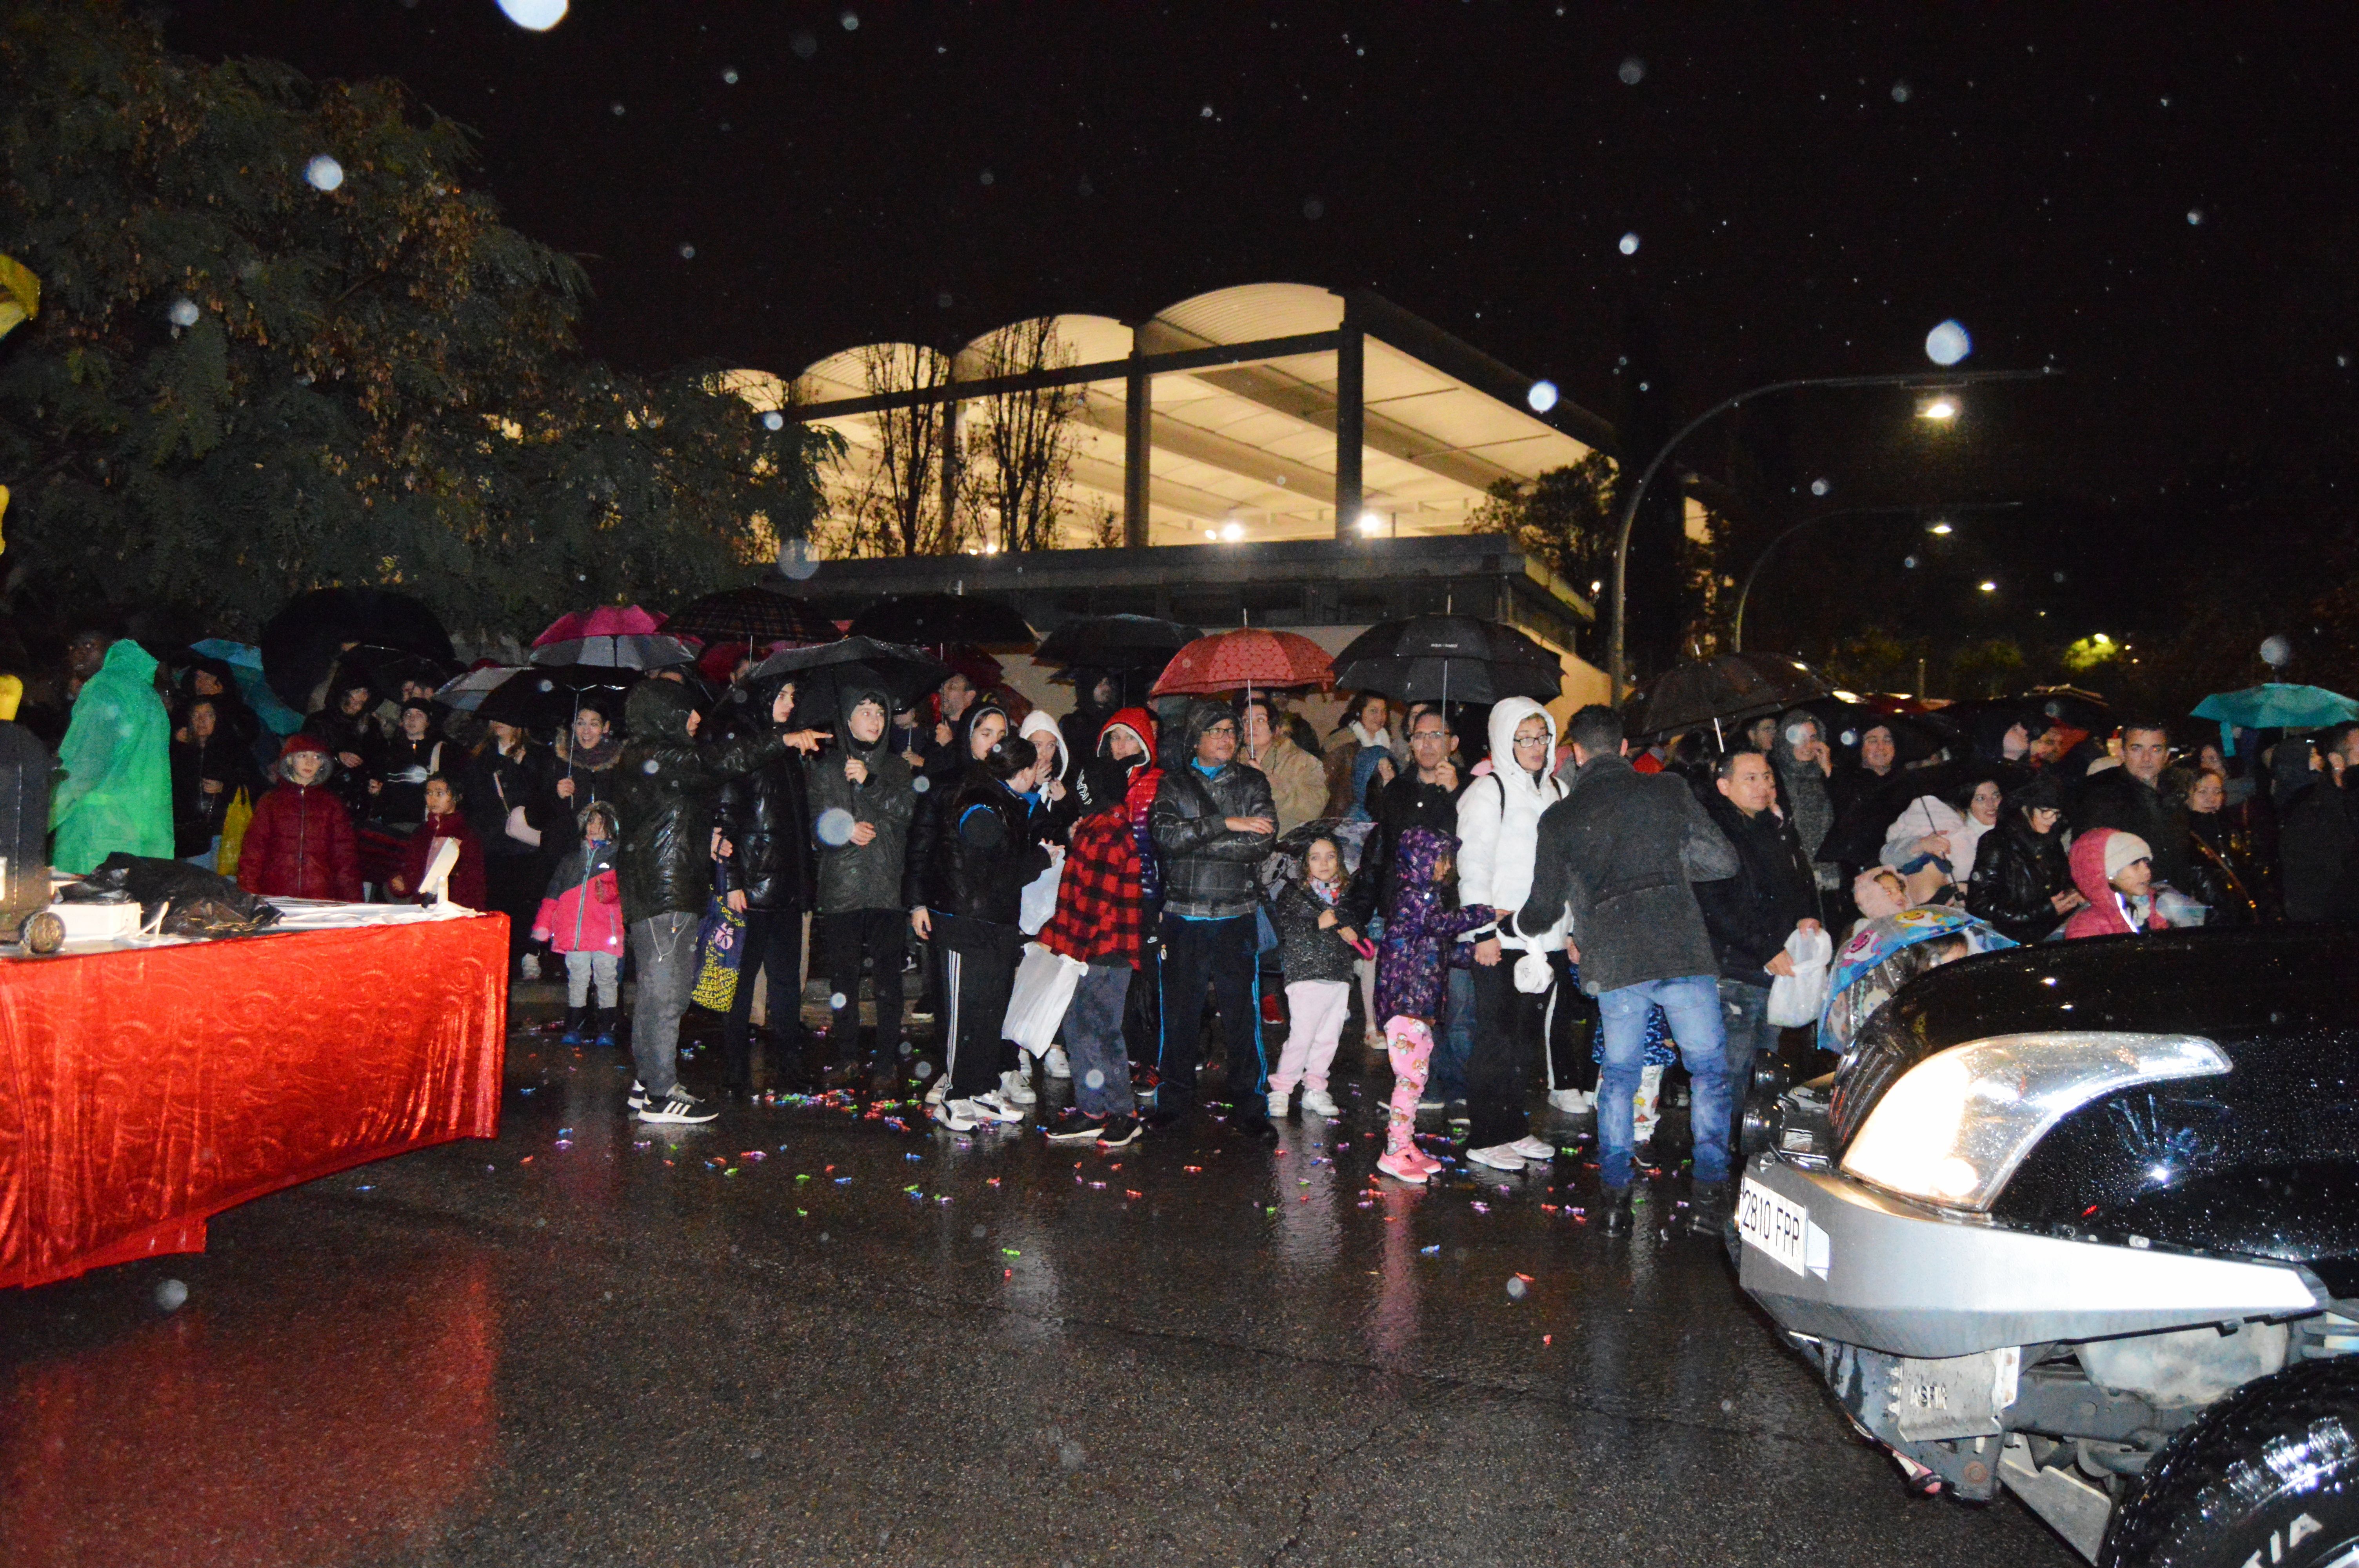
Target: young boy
x=861, y=803
x=1100, y=920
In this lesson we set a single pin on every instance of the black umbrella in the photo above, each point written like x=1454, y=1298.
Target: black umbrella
x=904, y=673
x=385, y=668
x=756, y=615
x=1732, y=687
x=1116, y=642
x=530, y=699
x=1915, y=736
x=934, y=620
x=1449, y=658
x=300, y=643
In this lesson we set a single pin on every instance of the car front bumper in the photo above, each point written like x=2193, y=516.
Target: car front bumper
x=1886, y=1275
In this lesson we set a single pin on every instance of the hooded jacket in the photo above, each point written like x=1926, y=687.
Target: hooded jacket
x=2315, y=833
x=1617, y=856
x=665, y=793
x=1499, y=824
x=861, y=876
x=1138, y=798
x=2108, y=913
x=582, y=911
x=117, y=789
x=1208, y=868
x=1421, y=925
x=764, y=815
x=987, y=845
x=301, y=843
x=2017, y=875
x=1059, y=814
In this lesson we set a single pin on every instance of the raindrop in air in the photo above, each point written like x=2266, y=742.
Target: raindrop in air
x=547, y=685
x=171, y=1294
x=616, y=107
x=1629, y=246
x=942, y=300
x=1819, y=487
x=979, y=1233
x=1094, y=1077
x=536, y=15
x=2275, y=651
x=688, y=252
x=1908, y=561
x=833, y=827
x=774, y=420
x=324, y=172
x=1515, y=1287
x=835, y=1000
x=1205, y=113
x=649, y=766
x=851, y=20
x=1902, y=92
x=921, y=783
x=1947, y=343
x=1314, y=207
x=795, y=559
x=1542, y=397
x=2195, y=215
x=1085, y=188
x=1071, y=1456
x=804, y=45
x=924, y=1070
x=184, y=312
x=989, y=179
x=1631, y=71
x=728, y=75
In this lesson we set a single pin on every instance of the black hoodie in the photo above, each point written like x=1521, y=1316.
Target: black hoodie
x=861, y=876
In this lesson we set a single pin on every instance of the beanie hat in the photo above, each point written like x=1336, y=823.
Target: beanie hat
x=2124, y=850
x=300, y=742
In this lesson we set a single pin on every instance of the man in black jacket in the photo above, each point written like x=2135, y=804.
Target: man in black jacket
x=769, y=874
x=1214, y=825
x=1617, y=856
x=1753, y=913
x=2129, y=799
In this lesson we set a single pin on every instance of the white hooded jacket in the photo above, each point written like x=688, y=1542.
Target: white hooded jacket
x=1499, y=826
x=1038, y=723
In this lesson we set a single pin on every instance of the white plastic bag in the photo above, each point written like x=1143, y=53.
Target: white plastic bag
x=1037, y=1002
x=1040, y=894
x=1797, y=998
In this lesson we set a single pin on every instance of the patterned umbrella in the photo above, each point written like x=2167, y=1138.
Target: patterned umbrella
x=758, y=616
x=1249, y=656
x=613, y=636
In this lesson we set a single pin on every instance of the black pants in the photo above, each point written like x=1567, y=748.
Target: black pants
x=1509, y=1025
x=840, y=943
x=1218, y=953
x=978, y=970
x=1142, y=1009
x=1572, y=1025
x=514, y=886
x=774, y=946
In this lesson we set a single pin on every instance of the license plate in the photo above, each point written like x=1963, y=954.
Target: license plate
x=1774, y=1225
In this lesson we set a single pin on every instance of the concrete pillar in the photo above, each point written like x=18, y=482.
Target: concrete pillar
x=1137, y=445
x=950, y=468
x=1351, y=420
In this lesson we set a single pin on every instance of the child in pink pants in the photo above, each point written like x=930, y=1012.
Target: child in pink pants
x=1422, y=924
x=1316, y=950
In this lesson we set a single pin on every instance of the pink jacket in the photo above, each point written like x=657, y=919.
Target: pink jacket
x=583, y=918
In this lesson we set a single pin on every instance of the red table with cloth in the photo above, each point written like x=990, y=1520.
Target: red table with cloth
x=143, y=1090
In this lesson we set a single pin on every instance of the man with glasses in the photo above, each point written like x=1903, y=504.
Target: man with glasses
x=1213, y=824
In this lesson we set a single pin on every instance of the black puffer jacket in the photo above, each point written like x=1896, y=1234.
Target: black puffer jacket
x=2016, y=873
x=1407, y=802
x=766, y=819
x=987, y=845
x=1304, y=951
x=1752, y=914
x=1208, y=868
x=861, y=876
x=666, y=785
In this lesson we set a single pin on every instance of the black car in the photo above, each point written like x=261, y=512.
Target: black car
x=2082, y=1219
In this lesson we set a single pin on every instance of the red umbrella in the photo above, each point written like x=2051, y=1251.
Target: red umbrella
x=606, y=621
x=1247, y=656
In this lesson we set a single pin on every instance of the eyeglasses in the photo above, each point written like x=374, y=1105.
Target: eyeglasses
x=1221, y=730
x=1531, y=740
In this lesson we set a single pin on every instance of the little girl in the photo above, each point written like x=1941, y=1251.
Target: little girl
x=1316, y=951
x=441, y=798
x=1421, y=928
x=582, y=917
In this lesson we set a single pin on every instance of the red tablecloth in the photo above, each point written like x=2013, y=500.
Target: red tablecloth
x=142, y=1092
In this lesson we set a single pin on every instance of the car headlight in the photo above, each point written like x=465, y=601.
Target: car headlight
x=1957, y=1124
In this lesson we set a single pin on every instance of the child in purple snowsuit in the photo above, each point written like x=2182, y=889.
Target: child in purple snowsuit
x=1421, y=928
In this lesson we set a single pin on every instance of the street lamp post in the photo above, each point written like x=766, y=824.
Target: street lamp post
x=1736, y=622
x=1616, y=671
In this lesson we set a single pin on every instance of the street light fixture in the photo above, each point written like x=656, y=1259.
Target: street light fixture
x=1938, y=409
x=1990, y=587
x=1943, y=529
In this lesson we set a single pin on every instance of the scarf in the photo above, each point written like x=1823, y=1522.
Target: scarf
x=594, y=758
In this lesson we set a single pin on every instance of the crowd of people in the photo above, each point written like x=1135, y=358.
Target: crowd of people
x=1150, y=879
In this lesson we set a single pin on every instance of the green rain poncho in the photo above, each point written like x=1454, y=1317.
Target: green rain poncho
x=115, y=789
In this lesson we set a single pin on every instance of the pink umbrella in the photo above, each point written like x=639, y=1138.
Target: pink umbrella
x=612, y=637
x=606, y=621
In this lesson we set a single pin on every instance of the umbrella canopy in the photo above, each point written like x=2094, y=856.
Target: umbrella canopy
x=2070, y=705
x=531, y=697
x=1449, y=658
x=2278, y=706
x=1734, y=686
x=758, y=616
x=903, y=672
x=300, y=643
x=1915, y=736
x=386, y=668
x=1247, y=656
x=245, y=662
x=1116, y=642
x=932, y=619
x=623, y=637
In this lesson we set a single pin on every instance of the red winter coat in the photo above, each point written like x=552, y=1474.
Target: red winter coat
x=467, y=878
x=300, y=845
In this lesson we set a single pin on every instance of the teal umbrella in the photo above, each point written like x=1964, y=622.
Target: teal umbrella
x=245, y=662
x=2275, y=705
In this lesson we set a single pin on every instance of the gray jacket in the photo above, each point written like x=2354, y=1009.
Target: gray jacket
x=1617, y=855
x=1208, y=869
x=861, y=876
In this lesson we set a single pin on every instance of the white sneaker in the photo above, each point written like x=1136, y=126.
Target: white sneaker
x=1057, y=1063
x=639, y=1097
x=677, y=1106
x=1499, y=1157
x=1277, y=1105
x=1572, y=1102
x=957, y=1115
x=991, y=1105
x=1317, y=1102
x=1532, y=1148
x=1016, y=1088
x=942, y=1086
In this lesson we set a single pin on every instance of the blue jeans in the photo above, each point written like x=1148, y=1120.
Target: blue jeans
x=1692, y=1003
x=1453, y=1043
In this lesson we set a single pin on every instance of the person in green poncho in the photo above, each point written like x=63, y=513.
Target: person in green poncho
x=115, y=789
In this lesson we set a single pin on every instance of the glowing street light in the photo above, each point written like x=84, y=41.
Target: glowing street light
x=1370, y=522
x=1943, y=529
x=1990, y=587
x=1232, y=532
x=1940, y=410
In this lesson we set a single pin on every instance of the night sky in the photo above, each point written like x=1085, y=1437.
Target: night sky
x=2155, y=201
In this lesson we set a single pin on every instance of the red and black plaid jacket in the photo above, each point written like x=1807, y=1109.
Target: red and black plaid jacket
x=1099, y=905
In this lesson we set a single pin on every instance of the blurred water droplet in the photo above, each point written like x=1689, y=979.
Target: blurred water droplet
x=942, y=300
x=649, y=766
x=1542, y=397
x=535, y=15
x=1629, y=244
x=979, y=1233
x=804, y=45
x=1902, y=92
x=172, y=1295
x=795, y=559
x=1515, y=1288
x=836, y=1000
x=989, y=179
x=1631, y=71
x=728, y=75
x=2275, y=651
x=616, y=108
x=924, y=1070
x=1819, y=487
x=1314, y=207
x=1071, y=1456
x=921, y=783
x=324, y=172
x=851, y=20
x=183, y=312
x=1095, y=1078
x=1947, y=343
x=1205, y=113
x=774, y=420
x=1908, y=561
x=1085, y=188
x=2195, y=215
x=688, y=252
x=833, y=829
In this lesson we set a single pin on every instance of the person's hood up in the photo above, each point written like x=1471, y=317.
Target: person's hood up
x=1508, y=716
x=2291, y=775
x=1138, y=724
x=2097, y=855
x=1038, y=723
x=599, y=808
x=1989, y=734
x=128, y=661
x=850, y=694
x=1103, y=783
x=1202, y=713
x=1419, y=851
x=1783, y=751
x=658, y=710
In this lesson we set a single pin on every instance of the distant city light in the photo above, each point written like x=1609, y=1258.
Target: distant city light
x=1370, y=522
x=1941, y=528
x=1938, y=409
x=1233, y=532
x=1990, y=587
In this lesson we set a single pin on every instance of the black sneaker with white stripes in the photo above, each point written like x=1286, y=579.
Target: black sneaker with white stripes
x=677, y=1106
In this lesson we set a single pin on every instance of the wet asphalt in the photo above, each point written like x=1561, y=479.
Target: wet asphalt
x=822, y=1332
